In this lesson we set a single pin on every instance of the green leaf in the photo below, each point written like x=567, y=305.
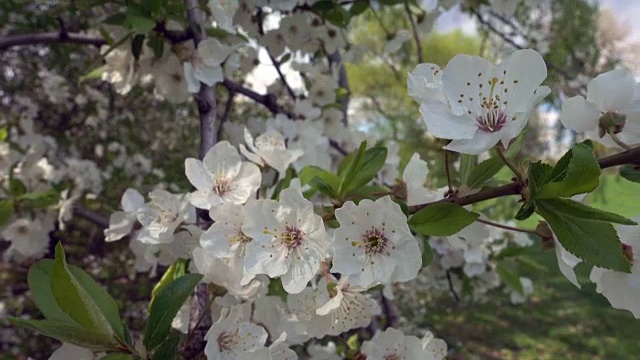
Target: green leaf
x=136, y=45
x=483, y=172
x=510, y=277
x=358, y=7
x=320, y=180
x=353, y=343
x=156, y=44
x=284, y=58
x=4, y=133
x=309, y=172
x=102, y=299
x=93, y=74
x=577, y=172
x=371, y=163
x=168, y=349
x=166, y=306
x=350, y=161
x=584, y=232
x=87, y=338
x=40, y=199
x=118, y=43
x=537, y=175
x=442, y=219
x=116, y=19
x=529, y=265
x=16, y=187
x=74, y=299
x=140, y=24
x=6, y=210
x=176, y=270
x=39, y=280
x=630, y=172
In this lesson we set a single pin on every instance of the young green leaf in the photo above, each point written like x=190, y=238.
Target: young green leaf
x=309, y=172
x=442, y=219
x=87, y=338
x=39, y=280
x=537, y=175
x=372, y=161
x=585, y=232
x=74, y=299
x=483, y=172
x=176, y=270
x=577, y=172
x=165, y=307
x=40, y=199
x=16, y=187
x=467, y=163
x=102, y=299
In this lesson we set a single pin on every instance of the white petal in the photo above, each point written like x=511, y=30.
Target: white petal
x=463, y=75
x=566, y=263
x=132, y=200
x=198, y=176
x=612, y=90
x=525, y=71
x=442, y=123
x=480, y=143
x=193, y=84
x=213, y=52
x=578, y=114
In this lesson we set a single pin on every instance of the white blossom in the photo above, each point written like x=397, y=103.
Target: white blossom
x=221, y=177
x=373, y=244
x=486, y=103
x=416, y=176
x=121, y=222
x=162, y=215
x=612, y=106
x=393, y=344
x=204, y=65
x=233, y=334
x=269, y=149
x=289, y=239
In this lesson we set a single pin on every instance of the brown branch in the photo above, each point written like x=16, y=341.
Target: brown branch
x=91, y=216
x=200, y=314
x=54, y=37
x=507, y=227
x=626, y=157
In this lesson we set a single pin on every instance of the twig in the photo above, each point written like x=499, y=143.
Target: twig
x=414, y=29
x=54, y=37
x=507, y=227
x=451, y=288
x=91, y=216
x=227, y=112
x=276, y=64
x=506, y=161
x=447, y=170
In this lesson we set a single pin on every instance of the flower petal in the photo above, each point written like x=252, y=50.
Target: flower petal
x=580, y=115
x=442, y=123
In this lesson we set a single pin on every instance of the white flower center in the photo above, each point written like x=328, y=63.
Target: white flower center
x=220, y=186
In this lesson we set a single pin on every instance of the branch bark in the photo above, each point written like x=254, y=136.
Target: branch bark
x=54, y=37
x=343, y=81
x=200, y=314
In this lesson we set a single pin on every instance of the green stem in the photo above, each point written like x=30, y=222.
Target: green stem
x=506, y=161
x=619, y=142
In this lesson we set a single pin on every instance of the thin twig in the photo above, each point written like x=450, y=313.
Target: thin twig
x=451, y=288
x=284, y=81
x=506, y=161
x=447, y=170
x=414, y=29
x=507, y=227
x=54, y=37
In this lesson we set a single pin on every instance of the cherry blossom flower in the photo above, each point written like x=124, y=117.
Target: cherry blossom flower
x=612, y=106
x=223, y=11
x=394, y=43
x=270, y=149
x=289, y=239
x=373, y=244
x=393, y=344
x=622, y=289
x=233, y=334
x=225, y=239
x=204, y=64
x=486, y=103
x=162, y=215
x=29, y=238
x=121, y=222
x=221, y=177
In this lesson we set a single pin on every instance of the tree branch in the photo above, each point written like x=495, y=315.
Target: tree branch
x=54, y=37
x=626, y=157
x=343, y=82
x=91, y=216
x=200, y=313
x=414, y=29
